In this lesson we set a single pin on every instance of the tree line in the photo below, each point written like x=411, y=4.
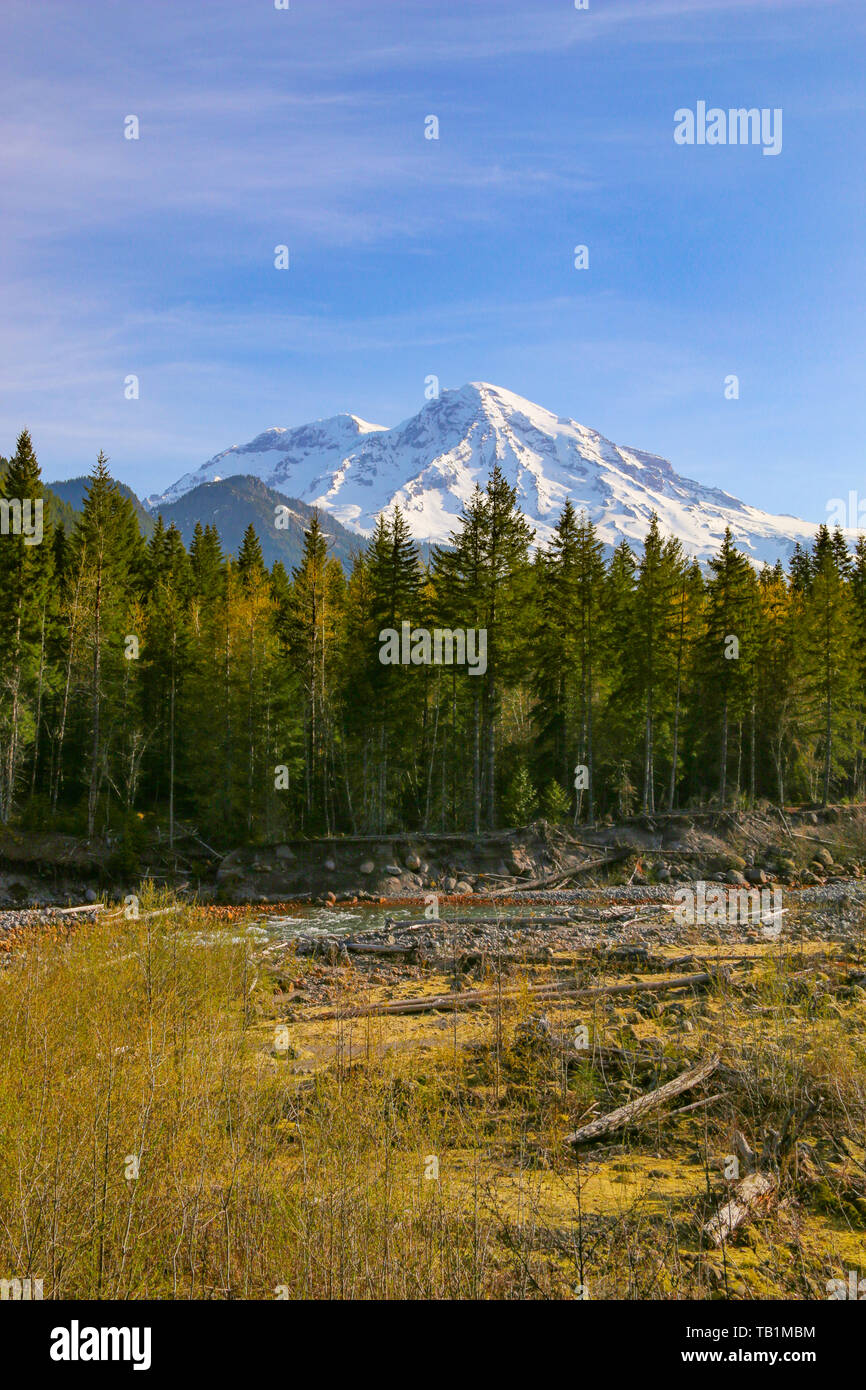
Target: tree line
x=148, y=684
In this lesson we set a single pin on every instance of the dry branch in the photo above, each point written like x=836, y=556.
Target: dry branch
x=635, y=1109
x=561, y=876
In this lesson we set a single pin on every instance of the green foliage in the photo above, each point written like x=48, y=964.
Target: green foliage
x=145, y=680
x=555, y=803
x=521, y=802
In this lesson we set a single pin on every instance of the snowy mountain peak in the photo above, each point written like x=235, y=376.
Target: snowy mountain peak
x=430, y=464
x=277, y=454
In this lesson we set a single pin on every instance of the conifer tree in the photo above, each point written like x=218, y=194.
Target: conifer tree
x=313, y=613
x=250, y=562
x=568, y=649
x=108, y=556
x=26, y=571
x=394, y=578
x=827, y=651
x=729, y=645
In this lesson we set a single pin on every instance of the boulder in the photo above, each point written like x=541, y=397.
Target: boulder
x=230, y=875
x=368, y=867
x=464, y=887
x=520, y=861
x=413, y=862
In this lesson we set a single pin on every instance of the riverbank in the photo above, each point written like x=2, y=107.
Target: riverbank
x=204, y=1103
x=798, y=847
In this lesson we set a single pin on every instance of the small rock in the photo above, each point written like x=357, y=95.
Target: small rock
x=368, y=867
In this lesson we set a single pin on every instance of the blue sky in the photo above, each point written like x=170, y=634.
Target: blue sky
x=412, y=257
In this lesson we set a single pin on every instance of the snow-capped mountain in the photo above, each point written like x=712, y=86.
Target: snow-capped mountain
x=431, y=463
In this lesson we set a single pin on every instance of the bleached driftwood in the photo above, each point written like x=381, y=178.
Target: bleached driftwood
x=627, y=1114
x=747, y=1197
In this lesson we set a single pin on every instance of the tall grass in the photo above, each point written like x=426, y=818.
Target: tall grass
x=133, y=1047
x=155, y=1144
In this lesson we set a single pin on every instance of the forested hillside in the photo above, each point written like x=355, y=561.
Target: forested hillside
x=144, y=682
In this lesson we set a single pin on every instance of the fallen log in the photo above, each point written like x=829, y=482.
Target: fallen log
x=326, y=946
x=440, y=1003
x=562, y=876
x=468, y=999
x=384, y=948
x=748, y=1194
x=636, y=1109
x=752, y=1192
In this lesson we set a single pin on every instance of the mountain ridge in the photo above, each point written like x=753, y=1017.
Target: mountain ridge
x=431, y=462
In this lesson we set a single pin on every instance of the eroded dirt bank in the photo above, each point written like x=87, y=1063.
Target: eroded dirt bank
x=798, y=846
